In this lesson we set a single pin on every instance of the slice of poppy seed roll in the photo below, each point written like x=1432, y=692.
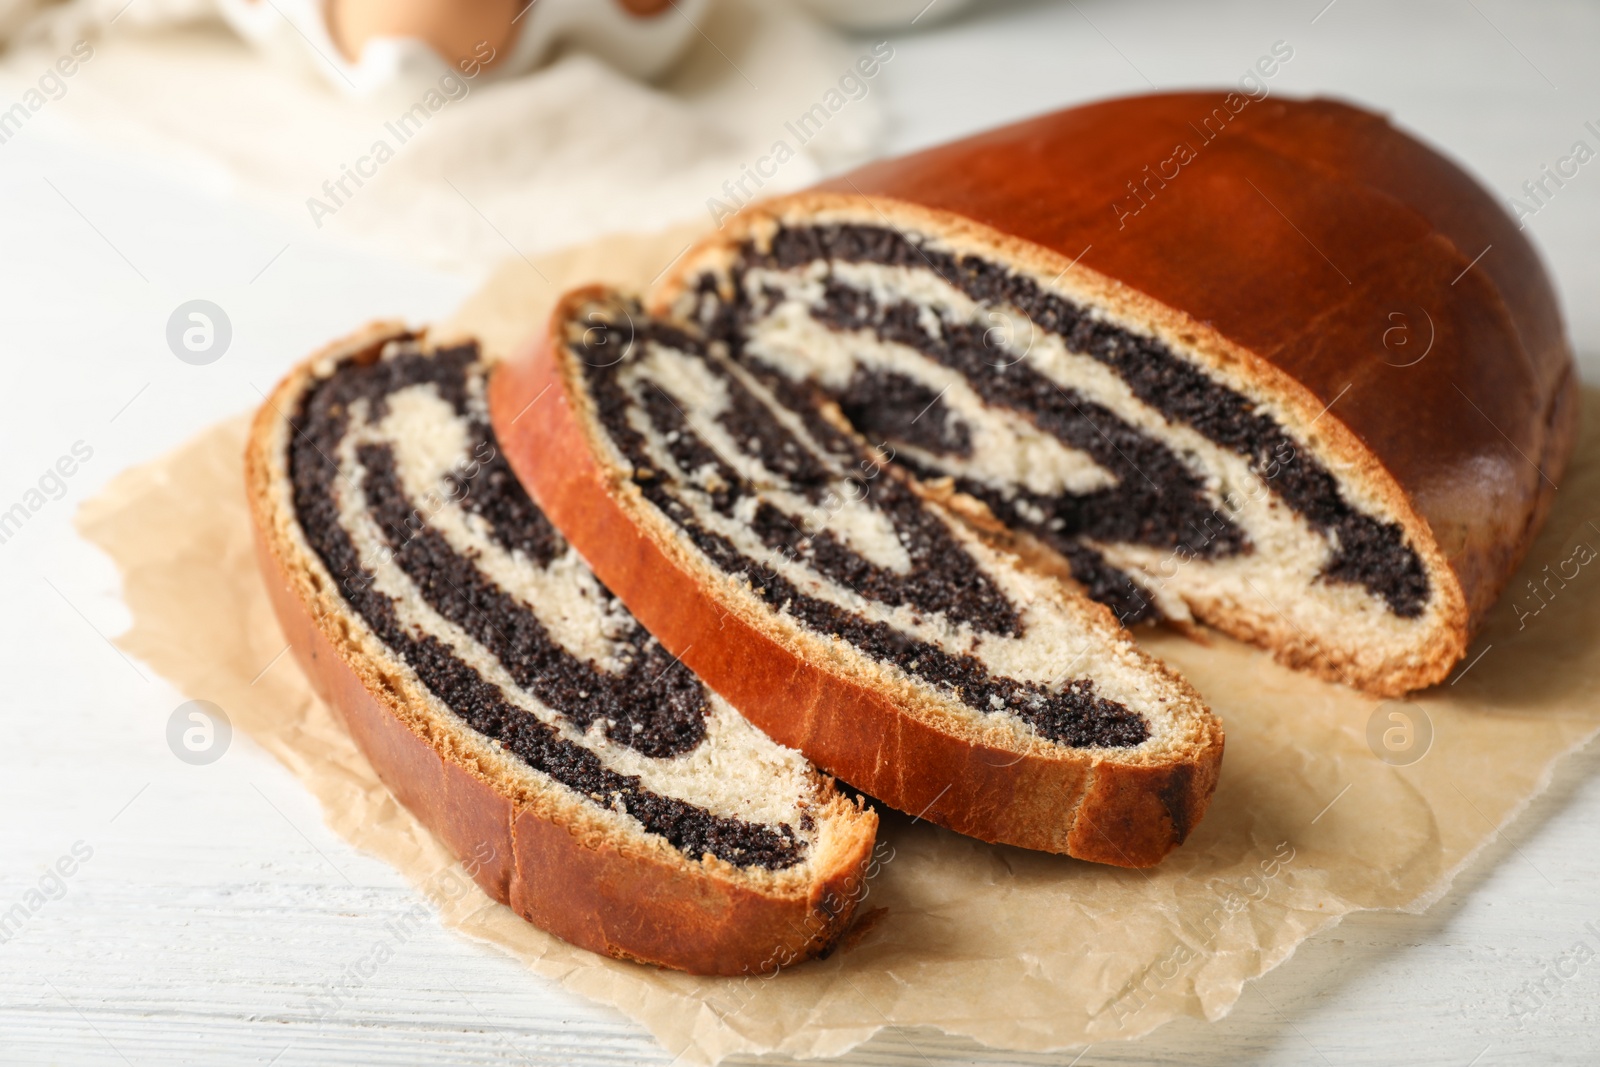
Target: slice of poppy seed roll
x=506, y=697
x=1274, y=364
x=840, y=610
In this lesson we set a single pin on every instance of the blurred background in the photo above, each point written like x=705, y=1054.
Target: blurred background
x=302, y=166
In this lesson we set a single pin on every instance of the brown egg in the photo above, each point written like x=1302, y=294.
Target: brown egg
x=456, y=29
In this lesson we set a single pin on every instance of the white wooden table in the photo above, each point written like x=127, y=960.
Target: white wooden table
x=214, y=902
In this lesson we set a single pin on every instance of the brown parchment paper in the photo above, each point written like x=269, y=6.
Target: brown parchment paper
x=1014, y=949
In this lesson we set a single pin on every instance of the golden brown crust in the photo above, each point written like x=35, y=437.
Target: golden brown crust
x=1051, y=798
x=629, y=903
x=1286, y=252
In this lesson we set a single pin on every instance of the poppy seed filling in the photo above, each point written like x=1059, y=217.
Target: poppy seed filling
x=615, y=348
x=1157, y=499
x=655, y=706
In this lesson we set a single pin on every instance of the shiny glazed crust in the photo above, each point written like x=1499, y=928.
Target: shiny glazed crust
x=1279, y=255
x=1109, y=809
x=541, y=854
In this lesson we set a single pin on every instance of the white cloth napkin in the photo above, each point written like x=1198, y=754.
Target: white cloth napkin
x=460, y=172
